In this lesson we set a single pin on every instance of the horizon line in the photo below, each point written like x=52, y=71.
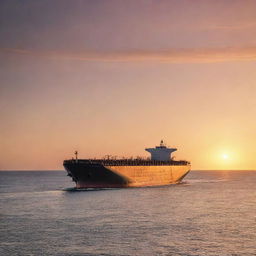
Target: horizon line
x=54, y=170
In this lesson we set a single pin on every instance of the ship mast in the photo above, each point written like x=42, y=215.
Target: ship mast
x=76, y=153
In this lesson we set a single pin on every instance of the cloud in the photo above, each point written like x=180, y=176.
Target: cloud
x=231, y=27
x=196, y=55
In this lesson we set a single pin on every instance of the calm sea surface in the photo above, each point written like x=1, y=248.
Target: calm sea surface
x=211, y=213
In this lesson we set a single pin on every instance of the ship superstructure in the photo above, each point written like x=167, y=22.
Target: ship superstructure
x=160, y=169
x=161, y=152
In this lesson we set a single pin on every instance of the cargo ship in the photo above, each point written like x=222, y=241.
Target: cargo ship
x=158, y=170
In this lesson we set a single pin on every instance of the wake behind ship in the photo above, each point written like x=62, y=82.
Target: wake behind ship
x=116, y=173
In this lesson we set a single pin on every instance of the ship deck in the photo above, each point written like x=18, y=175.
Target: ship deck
x=125, y=162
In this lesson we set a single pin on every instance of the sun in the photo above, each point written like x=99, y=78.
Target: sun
x=225, y=156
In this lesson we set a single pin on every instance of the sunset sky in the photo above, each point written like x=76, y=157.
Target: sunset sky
x=115, y=77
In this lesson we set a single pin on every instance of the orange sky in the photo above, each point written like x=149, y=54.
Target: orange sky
x=115, y=77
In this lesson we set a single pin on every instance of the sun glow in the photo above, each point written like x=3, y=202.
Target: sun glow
x=225, y=156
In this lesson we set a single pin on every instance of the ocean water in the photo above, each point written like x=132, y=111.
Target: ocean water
x=210, y=213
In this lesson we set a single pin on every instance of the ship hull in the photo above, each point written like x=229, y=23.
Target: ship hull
x=114, y=176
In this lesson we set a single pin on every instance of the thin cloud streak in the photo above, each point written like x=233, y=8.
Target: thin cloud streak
x=232, y=27
x=199, y=55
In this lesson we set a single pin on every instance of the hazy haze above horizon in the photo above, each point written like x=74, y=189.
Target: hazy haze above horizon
x=115, y=77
